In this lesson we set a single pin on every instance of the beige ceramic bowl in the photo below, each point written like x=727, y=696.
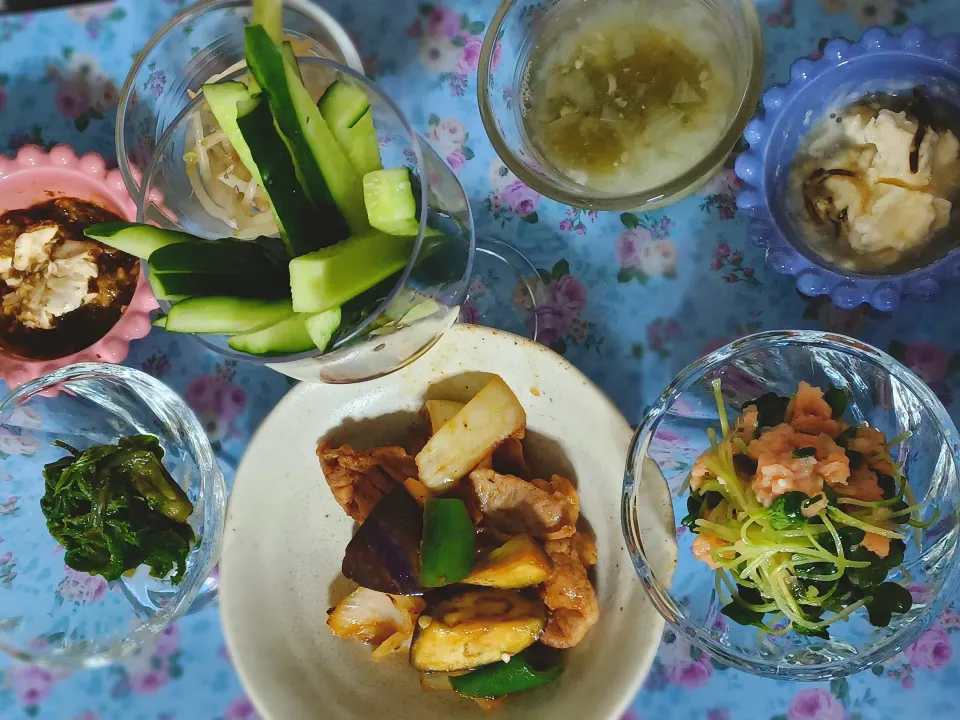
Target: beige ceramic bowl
x=285, y=538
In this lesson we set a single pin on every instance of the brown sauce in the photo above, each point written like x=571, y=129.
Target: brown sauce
x=114, y=285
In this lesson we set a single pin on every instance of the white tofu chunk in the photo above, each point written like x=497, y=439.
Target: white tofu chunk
x=31, y=248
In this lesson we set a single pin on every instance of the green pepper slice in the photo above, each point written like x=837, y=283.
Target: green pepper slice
x=448, y=543
x=503, y=678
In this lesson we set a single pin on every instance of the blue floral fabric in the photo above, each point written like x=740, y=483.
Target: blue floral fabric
x=631, y=300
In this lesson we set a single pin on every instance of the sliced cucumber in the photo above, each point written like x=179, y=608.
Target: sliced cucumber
x=160, y=322
x=291, y=57
x=134, y=238
x=180, y=285
x=328, y=278
x=326, y=172
x=291, y=207
x=269, y=14
x=222, y=257
x=323, y=326
x=290, y=335
x=346, y=108
x=225, y=315
x=391, y=206
x=223, y=98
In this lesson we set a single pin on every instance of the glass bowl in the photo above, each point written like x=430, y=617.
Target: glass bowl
x=196, y=44
x=393, y=323
x=883, y=393
x=515, y=31
x=55, y=616
x=847, y=72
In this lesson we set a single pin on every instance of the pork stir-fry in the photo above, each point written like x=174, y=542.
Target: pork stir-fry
x=464, y=558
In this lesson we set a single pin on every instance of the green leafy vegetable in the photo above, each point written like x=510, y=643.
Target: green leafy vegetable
x=115, y=507
x=786, y=511
x=844, y=438
x=695, y=505
x=805, y=452
x=837, y=400
x=888, y=484
x=888, y=598
x=771, y=409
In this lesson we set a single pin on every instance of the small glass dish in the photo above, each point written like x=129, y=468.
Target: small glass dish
x=515, y=31
x=847, y=72
x=393, y=323
x=881, y=392
x=55, y=616
x=196, y=44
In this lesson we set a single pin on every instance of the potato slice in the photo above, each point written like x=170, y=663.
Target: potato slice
x=519, y=563
x=475, y=628
x=440, y=412
x=492, y=416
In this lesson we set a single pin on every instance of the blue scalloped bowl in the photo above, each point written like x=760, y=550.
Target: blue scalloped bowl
x=847, y=72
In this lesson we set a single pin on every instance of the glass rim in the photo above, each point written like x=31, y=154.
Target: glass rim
x=212, y=487
x=664, y=193
x=146, y=200
x=661, y=596
x=316, y=13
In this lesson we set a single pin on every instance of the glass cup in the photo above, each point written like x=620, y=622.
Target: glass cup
x=53, y=615
x=194, y=46
x=515, y=32
x=881, y=392
x=395, y=322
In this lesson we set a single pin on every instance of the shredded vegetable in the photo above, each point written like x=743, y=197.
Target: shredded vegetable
x=800, y=513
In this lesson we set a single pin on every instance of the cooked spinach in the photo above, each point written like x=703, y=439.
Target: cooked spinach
x=837, y=400
x=115, y=507
x=771, y=409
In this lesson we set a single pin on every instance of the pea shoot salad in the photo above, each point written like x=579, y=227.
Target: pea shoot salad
x=802, y=515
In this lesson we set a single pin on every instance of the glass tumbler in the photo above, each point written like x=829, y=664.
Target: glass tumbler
x=51, y=614
x=193, y=47
x=882, y=393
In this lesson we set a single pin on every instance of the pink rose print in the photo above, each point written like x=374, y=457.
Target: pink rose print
x=553, y=323
x=931, y=651
x=241, y=709
x=442, y=21
x=217, y=402
x=815, y=704
x=456, y=160
x=929, y=361
x=168, y=642
x=521, y=200
x=658, y=259
x=447, y=135
x=13, y=443
x=569, y=295
x=689, y=673
x=148, y=682
x=81, y=588
x=32, y=683
x=72, y=101
x=629, y=244
x=470, y=55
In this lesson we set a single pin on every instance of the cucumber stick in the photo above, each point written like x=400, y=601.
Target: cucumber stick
x=222, y=257
x=390, y=204
x=291, y=335
x=135, y=239
x=328, y=278
x=291, y=57
x=225, y=315
x=269, y=14
x=223, y=98
x=346, y=109
x=180, y=285
x=291, y=207
x=332, y=184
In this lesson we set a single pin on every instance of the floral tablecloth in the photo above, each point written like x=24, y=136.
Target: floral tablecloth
x=632, y=299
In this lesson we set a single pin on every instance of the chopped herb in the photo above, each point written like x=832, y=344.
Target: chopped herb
x=786, y=511
x=805, y=452
x=771, y=409
x=837, y=400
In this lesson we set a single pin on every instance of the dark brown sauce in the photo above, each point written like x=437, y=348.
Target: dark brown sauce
x=115, y=283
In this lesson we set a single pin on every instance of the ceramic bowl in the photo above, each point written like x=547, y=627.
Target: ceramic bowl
x=846, y=73
x=35, y=176
x=285, y=538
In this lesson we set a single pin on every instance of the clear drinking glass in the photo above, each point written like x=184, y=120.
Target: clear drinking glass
x=515, y=32
x=200, y=42
x=883, y=393
x=53, y=615
x=396, y=321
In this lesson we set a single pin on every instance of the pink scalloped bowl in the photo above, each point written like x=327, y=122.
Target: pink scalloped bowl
x=35, y=176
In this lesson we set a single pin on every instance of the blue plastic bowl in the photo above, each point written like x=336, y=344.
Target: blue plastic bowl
x=847, y=72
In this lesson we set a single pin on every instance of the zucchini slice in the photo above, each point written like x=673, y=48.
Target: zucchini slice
x=475, y=628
